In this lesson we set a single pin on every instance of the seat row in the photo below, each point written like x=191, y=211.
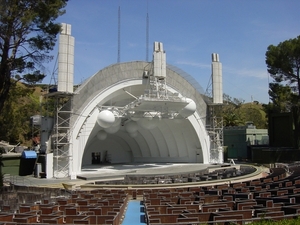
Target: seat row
x=275, y=197
x=95, y=207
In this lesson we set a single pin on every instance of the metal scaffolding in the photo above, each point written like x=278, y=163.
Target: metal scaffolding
x=215, y=131
x=61, y=134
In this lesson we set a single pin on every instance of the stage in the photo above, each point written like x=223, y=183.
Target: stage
x=102, y=173
x=119, y=171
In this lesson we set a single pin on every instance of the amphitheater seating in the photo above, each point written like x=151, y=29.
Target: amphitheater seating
x=274, y=197
x=96, y=207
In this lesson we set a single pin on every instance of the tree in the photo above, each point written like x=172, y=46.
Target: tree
x=283, y=63
x=237, y=102
x=231, y=120
x=237, y=113
x=20, y=105
x=27, y=34
x=281, y=97
x=253, y=113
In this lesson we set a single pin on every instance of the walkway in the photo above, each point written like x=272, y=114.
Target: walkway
x=134, y=214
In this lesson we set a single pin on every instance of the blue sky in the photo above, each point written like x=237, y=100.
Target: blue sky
x=191, y=30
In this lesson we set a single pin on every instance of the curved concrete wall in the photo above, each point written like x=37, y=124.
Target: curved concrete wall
x=171, y=141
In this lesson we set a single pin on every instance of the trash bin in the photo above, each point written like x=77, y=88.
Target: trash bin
x=27, y=163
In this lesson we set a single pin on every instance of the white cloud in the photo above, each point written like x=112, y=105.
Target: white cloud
x=132, y=45
x=256, y=73
x=194, y=64
x=269, y=32
x=176, y=48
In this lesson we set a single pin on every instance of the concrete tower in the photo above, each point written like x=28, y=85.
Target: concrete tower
x=65, y=60
x=159, y=60
x=217, y=85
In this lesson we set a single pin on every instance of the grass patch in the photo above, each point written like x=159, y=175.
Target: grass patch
x=280, y=222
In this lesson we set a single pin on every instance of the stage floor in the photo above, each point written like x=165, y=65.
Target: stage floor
x=118, y=171
x=94, y=173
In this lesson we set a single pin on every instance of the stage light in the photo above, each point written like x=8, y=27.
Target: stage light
x=189, y=109
x=113, y=129
x=131, y=127
x=101, y=135
x=105, y=118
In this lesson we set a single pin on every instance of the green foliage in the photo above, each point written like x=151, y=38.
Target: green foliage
x=283, y=62
x=22, y=103
x=230, y=114
x=232, y=119
x=282, y=98
x=28, y=33
x=254, y=112
x=237, y=113
x=280, y=222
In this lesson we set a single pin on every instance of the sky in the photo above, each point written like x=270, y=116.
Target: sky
x=190, y=30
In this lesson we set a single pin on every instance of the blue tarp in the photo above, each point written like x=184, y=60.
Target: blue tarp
x=134, y=214
x=29, y=155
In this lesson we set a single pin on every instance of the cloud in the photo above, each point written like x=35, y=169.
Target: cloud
x=132, y=45
x=194, y=64
x=268, y=31
x=175, y=48
x=256, y=73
